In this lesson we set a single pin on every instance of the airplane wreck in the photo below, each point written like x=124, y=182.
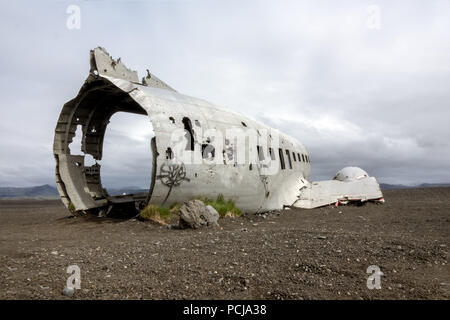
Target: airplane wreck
x=198, y=150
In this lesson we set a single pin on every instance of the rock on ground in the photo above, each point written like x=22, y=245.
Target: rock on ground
x=194, y=214
x=68, y=292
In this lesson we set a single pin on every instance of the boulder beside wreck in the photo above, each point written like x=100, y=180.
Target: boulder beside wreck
x=194, y=214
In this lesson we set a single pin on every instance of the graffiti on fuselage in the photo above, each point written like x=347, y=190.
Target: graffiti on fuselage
x=171, y=175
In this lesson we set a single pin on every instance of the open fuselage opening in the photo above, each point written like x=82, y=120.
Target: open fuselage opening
x=79, y=163
x=127, y=155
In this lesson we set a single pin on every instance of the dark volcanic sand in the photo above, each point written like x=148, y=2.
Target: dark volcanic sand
x=298, y=254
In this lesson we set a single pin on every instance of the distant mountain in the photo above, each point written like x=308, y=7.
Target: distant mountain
x=125, y=190
x=48, y=192
x=433, y=185
x=386, y=186
x=45, y=191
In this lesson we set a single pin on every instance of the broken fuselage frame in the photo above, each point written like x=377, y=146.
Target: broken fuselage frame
x=193, y=153
x=111, y=88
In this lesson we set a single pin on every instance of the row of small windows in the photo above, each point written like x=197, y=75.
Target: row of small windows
x=208, y=151
x=295, y=156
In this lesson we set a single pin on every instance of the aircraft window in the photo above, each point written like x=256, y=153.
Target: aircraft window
x=243, y=123
x=295, y=158
x=299, y=158
x=289, y=158
x=189, y=135
x=260, y=153
x=169, y=153
x=303, y=157
x=224, y=156
x=208, y=151
x=272, y=155
x=280, y=152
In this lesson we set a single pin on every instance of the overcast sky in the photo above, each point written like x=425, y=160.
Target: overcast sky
x=358, y=83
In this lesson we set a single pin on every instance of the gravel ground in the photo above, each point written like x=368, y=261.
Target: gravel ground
x=292, y=254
